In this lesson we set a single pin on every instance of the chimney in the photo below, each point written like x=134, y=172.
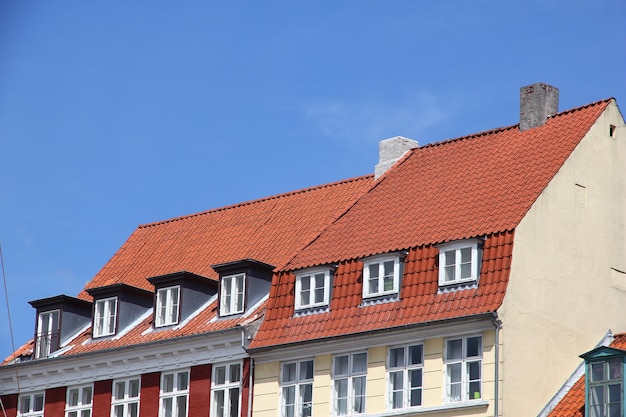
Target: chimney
x=537, y=102
x=390, y=150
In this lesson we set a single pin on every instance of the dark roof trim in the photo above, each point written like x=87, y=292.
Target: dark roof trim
x=242, y=264
x=59, y=299
x=118, y=288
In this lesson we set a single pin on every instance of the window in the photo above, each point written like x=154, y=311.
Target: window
x=125, y=398
x=79, y=400
x=168, y=300
x=297, y=389
x=405, y=376
x=232, y=294
x=463, y=369
x=606, y=382
x=48, y=333
x=31, y=405
x=312, y=289
x=349, y=374
x=458, y=262
x=381, y=276
x=174, y=394
x=105, y=313
x=226, y=390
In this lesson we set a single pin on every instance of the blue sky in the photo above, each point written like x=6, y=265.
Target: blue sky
x=120, y=113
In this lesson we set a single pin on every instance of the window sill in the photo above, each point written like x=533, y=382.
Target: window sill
x=457, y=286
x=379, y=299
x=307, y=311
x=427, y=410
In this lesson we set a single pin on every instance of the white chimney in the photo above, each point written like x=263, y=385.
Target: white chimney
x=390, y=151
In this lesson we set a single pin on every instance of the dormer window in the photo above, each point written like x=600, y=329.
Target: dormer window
x=105, y=317
x=313, y=288
x=606, y=381
x=232, y=296
x=381, y=276
x=167, y=306
x=459, y=262
x=48, y=333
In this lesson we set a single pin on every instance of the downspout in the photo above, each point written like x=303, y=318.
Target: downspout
x=498, y=325
x=250, y=387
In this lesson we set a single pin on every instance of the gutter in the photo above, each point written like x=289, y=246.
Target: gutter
x=498, y=325
x=476, y=317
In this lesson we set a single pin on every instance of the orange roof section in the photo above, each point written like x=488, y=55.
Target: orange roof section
x=466, y=187
x=419, y=301
x=573, y=403
x=268, y=230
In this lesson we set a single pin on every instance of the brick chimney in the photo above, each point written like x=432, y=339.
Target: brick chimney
x=390, y=151
x=537, y=102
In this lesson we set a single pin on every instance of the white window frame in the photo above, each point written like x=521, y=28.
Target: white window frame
x=50, y=335
x=464, y=376
x=128, y=403
x=32, y=404
x=105, y=317
x=82, y=407
x=294, y=388
x=226, y=385
x=404, y=371
x=233, y=294
x=353, y=378
x=175, y=393
x=456, y=248
x=167, y=306
x=306, y=283
x=380, y=261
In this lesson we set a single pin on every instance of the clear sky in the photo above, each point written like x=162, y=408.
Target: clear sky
x=120, y=113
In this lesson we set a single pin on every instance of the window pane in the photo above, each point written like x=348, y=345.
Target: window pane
x=219, y=403
x=118, y=391
x=396, y=399
x=415, y=379
x=306, y=370
x=38, y=402
x=85, y=413
x=615, y=369
x=341, y=388
x=341, y=365
x=220, y=375
x=397, y=380
x=396, y=357
x=359, y=363
x=72, y=398
x=133, y=410
x=86, y=396
x=454, y=349
x=133, y=389
x=416, y=354
x=118, y=411
x=234, y=402
x=454, y=372
x=466, y=271
x=182, y=381
x=615, y=393
x=181, y=406
x=466, y=255
x=235, y=372
x=597, y=371
x=168, y=383
x=306, y=398
x=25, y=404
x=596, y=395
x=305, y=297
x=358, y=388
x=289, y=372
x=474, y=390
x=473, y=370
x=306, y=283
x=473, y=346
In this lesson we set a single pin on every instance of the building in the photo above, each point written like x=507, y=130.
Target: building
x=443, y=285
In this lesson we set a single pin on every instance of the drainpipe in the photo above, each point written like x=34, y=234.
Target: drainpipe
x=250, y=387
x=498, y=325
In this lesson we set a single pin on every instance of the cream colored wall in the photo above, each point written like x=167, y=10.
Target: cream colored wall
x=567, y=285
x=266, y=385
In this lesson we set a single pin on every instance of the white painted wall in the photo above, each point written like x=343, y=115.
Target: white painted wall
x=567, y=285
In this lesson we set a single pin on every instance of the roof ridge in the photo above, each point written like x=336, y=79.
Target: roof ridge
x=255, y=201
x=502, y=129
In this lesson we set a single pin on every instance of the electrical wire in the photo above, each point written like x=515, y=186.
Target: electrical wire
x=6, y=297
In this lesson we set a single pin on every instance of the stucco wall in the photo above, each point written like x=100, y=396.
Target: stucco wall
x=567, y=285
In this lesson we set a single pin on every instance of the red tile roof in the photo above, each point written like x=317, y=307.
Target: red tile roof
x=573, y=403
x=269, y=230
x=478, y=185
x=465, y=187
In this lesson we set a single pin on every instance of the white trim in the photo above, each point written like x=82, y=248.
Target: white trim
x=428, y=410
x=79, y=407
x=175, y=393
x=230, y=292
x=171, y=307
x=456, y=247
x=108, y=315
x=31, y=396
x=463, y=361
x=127, y=400
x=226, y=387
x=380, y=260
x=311, y=274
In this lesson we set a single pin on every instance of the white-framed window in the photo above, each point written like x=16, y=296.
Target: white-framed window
x=296, y=388
x=48, y=333
x=226, y=390
x=79, y=401
x=459, y=262
x=405, y=372
x=232, y=296
x=104, y=317
x=174, y=395
x=605, y=388
x=167, y=306
x=31, y=405
x=312, y=288
x=463, y=360
x=125, y=397
x=381, y=276
x=349, y=378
